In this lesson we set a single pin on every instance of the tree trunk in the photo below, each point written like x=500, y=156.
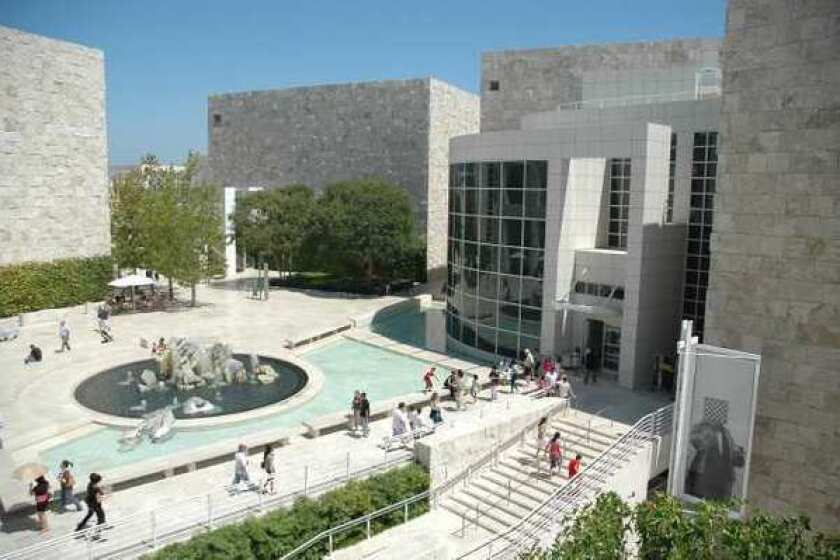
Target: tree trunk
x=171, y=290
x=192, y=294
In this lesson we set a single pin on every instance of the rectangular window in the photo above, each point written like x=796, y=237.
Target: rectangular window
x=217, y=119
x=513, y=173
x=490, y=175
x=536, y=173
x=619, y=204
x=612, y=348
x=672, y=169
x=494, y=85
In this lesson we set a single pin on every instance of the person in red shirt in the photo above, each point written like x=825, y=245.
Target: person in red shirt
x=555, y=453
x=574, y=466
x=427, y=379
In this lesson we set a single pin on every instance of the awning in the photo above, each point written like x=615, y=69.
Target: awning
x=600, y=311
x=131, y=280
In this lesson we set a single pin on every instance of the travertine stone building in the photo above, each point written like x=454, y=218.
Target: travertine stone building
x=53, y=150
x=775, y=275
x=396, y=130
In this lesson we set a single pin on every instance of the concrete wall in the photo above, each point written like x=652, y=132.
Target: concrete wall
x=54, y=198
x=541, y=79
x=452, y=112
x=776, y=243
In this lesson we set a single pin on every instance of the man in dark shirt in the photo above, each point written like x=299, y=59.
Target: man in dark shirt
x=35, y=354
x=364, y=413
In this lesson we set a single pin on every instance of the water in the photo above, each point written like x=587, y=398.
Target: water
x=347, y=365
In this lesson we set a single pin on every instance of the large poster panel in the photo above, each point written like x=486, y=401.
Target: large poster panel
x=715, y=418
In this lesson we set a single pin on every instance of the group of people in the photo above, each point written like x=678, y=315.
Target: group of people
x=94, y=496
x=553, y=449
x=360, y=408
x=103, y=316
x=242, y=474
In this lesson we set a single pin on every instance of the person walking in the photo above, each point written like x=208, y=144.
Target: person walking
x=530, y=364
x=356, y=409
x=93, y=498
x=589, y=366
x=513, y=376
x=434, y=414
x=413, y=419
x=565, y=392
x=555, y=453
x=63, y=336
x=41, y=490
x=67, y=482
x=364, y=415
x=495, y=380
x=399, y=421
x=542, y=439
x=103, y=315
x=574, y=466
x=456, y=386
x=474, y=388
x=268, y=467
x=428, y=380
x=35, y=355
x=240, y=466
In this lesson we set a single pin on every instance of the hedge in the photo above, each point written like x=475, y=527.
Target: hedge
x=33, y=286
x=280, y=531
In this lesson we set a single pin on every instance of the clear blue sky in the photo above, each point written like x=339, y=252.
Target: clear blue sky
x=163, y=58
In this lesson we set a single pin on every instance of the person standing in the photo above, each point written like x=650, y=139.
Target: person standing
x=41, y=490
x=240, y=466
x=103, y=315
x=413, y=419
x=434, y=414
x=268, y=466
x=64, y=336
x=428, y=380
x=574, y=466
x=93, y=498
x=474, y=388
x=68, y=483
x=589, y=366
x=495, y=379
x=399, y=421
x=542, y=441
x=530, y=364
x=555, y=453
x=457, y=385
x=364, y=414
x=356, y=409
x=513, y=376
x=565, y=392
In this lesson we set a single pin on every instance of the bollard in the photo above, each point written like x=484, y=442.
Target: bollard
x=209, y=511
x=305, y=480
x=508, y=492
x=260, y=499
x=463, y=526
x=347, y=476
x=368, y=527
x=405, y=518
x=331, y=543
x=153, y=522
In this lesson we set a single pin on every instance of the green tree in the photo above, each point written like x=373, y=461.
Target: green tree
x=365, y=227
x=128, y=215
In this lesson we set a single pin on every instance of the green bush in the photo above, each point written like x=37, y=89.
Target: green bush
x=278, y=532
x=33, y=286
x=666, y=530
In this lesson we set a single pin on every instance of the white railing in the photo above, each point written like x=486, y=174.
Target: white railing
x=644, y=99
x=544, y=522
x=146, y=531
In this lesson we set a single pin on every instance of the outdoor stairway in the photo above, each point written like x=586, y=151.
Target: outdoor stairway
x=506, y=490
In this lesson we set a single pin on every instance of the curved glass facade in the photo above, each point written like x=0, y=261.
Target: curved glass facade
x=496, y=254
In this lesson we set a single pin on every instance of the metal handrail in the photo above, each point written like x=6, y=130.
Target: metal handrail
x=203, y=511
x=576, y=493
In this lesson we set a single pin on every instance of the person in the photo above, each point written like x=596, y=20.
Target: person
x=67, y=482
x=474, y=388
x=399, y=422
x=589, y=366
x=428, y=380
x=711, y=474
x=103, y=315
x=455, y=388
x=555, y=453
x=550, y=383
x=93, y=498
x=530, y=364
x=495, y=380
x=434, y=414
x=574, y=466
x=513, y=376
x=64, y=336
x=269, y=469
x=356, y=408
x=564, y=390
x=364, y=415
x=41, y=490
x=240, y=465
x=35, y=355
x=159, y=347
x=542, y=441
x=413, y=418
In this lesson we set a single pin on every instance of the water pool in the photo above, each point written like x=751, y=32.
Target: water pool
x=347, y=365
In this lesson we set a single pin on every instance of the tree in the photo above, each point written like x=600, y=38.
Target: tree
x=274, y=224
x=128, y=215
x=365, y=227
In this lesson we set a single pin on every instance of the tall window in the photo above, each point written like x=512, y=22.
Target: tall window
x=703, y=183
x=672, y=168
x=612, y=348
x=619, y=208
x=496, y=254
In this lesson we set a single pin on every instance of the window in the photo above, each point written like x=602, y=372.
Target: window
x=672, y=169
x=612, y=348
x=619, y=203
x=494, y=85
x=217, y=119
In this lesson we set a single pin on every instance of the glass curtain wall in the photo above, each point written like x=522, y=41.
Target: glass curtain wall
x=496, y=254
x=619, y=207
x=703, y=183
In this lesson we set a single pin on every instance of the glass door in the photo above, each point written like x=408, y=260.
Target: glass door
x=612, y=348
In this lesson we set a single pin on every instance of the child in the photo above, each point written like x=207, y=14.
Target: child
x=428, y=380
x=555, y=453
x=574, y=466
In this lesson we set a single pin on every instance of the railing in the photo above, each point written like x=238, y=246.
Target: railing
x=148, y=530
x=644, y=99
x=542, y=524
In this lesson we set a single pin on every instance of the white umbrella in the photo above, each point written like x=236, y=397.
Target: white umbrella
x=131, y=281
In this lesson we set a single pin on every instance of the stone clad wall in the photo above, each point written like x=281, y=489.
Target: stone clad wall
x=452, y=112
x=322, y=134
x=541, y=79
x=775, y=270
x=54, y=198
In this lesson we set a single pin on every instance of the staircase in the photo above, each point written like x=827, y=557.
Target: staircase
x=506, y=490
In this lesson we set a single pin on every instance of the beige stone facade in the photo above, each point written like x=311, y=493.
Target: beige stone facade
x=775, y=274
x=54, y=200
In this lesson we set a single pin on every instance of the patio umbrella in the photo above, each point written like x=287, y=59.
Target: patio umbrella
x=30, y=471
x=132, y=281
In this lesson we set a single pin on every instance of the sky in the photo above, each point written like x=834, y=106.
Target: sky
x=163, y=58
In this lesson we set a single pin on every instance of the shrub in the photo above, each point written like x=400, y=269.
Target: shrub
x=33, y=286
x=280, y=531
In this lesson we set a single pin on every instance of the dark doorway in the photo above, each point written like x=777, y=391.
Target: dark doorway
x=595, y=341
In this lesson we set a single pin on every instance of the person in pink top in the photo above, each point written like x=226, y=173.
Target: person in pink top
x=428, y=380
x=555, y=453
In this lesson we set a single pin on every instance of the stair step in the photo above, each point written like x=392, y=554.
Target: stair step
x=503, y=518
x=487, y=501
x=580, y=426
x=484, y=522
x=537, y=492
x=571, y=430
x=518, y=494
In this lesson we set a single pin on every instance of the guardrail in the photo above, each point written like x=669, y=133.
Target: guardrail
x=146, y=531
x=545, y=521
